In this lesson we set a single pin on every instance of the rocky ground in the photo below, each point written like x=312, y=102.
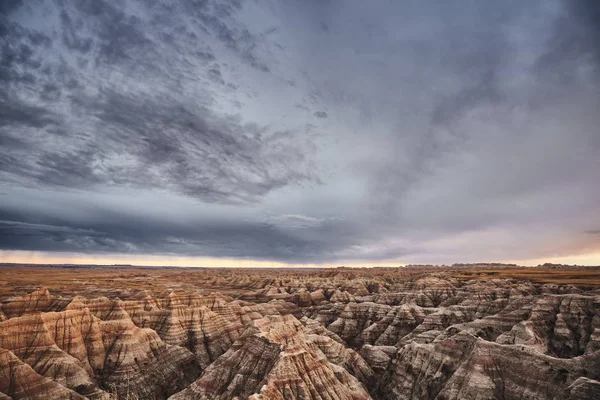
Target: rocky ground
x=423, y=332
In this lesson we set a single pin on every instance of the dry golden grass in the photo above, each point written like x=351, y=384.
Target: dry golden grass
x=123, y=282
x=584, y=278
x=98, y=280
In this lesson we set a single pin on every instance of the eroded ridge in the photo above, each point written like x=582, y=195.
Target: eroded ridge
x=415, y=333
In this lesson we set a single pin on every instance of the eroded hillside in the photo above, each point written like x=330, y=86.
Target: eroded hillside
x=414, y=333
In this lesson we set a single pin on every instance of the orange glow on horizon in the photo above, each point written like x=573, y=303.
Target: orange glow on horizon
x=38, y=257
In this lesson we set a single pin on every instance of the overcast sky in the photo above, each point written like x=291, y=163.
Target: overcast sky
x=299, y=132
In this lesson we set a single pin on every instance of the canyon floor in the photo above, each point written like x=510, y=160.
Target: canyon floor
x=421, y=332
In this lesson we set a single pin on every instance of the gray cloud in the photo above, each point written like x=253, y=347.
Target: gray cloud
x=198, y=128
x=109, y=231
x=146, y=130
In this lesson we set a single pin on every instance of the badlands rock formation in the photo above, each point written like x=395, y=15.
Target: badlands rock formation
x=277, y=358
x=415, y=333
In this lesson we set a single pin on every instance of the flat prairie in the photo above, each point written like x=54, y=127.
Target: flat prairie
x=123, y=281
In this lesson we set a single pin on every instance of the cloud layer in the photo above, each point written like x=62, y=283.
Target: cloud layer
x=301, y=132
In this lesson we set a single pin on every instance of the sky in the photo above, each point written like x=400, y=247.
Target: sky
x=299, y=133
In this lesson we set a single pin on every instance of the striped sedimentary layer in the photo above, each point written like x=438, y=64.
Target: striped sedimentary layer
x=91, y=357
x=277, y=358
x=428, y=337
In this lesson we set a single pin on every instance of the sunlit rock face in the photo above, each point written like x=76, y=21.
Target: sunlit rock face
x=364, y=334
x=276, y=358
x=91, y=357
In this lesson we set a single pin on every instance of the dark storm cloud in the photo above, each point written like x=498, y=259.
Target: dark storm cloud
x=577, y=34
x=14, y=113
x=164, y=138
x=113, y=231
x=199, y=127
x=189, y=150
x=24, y=236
